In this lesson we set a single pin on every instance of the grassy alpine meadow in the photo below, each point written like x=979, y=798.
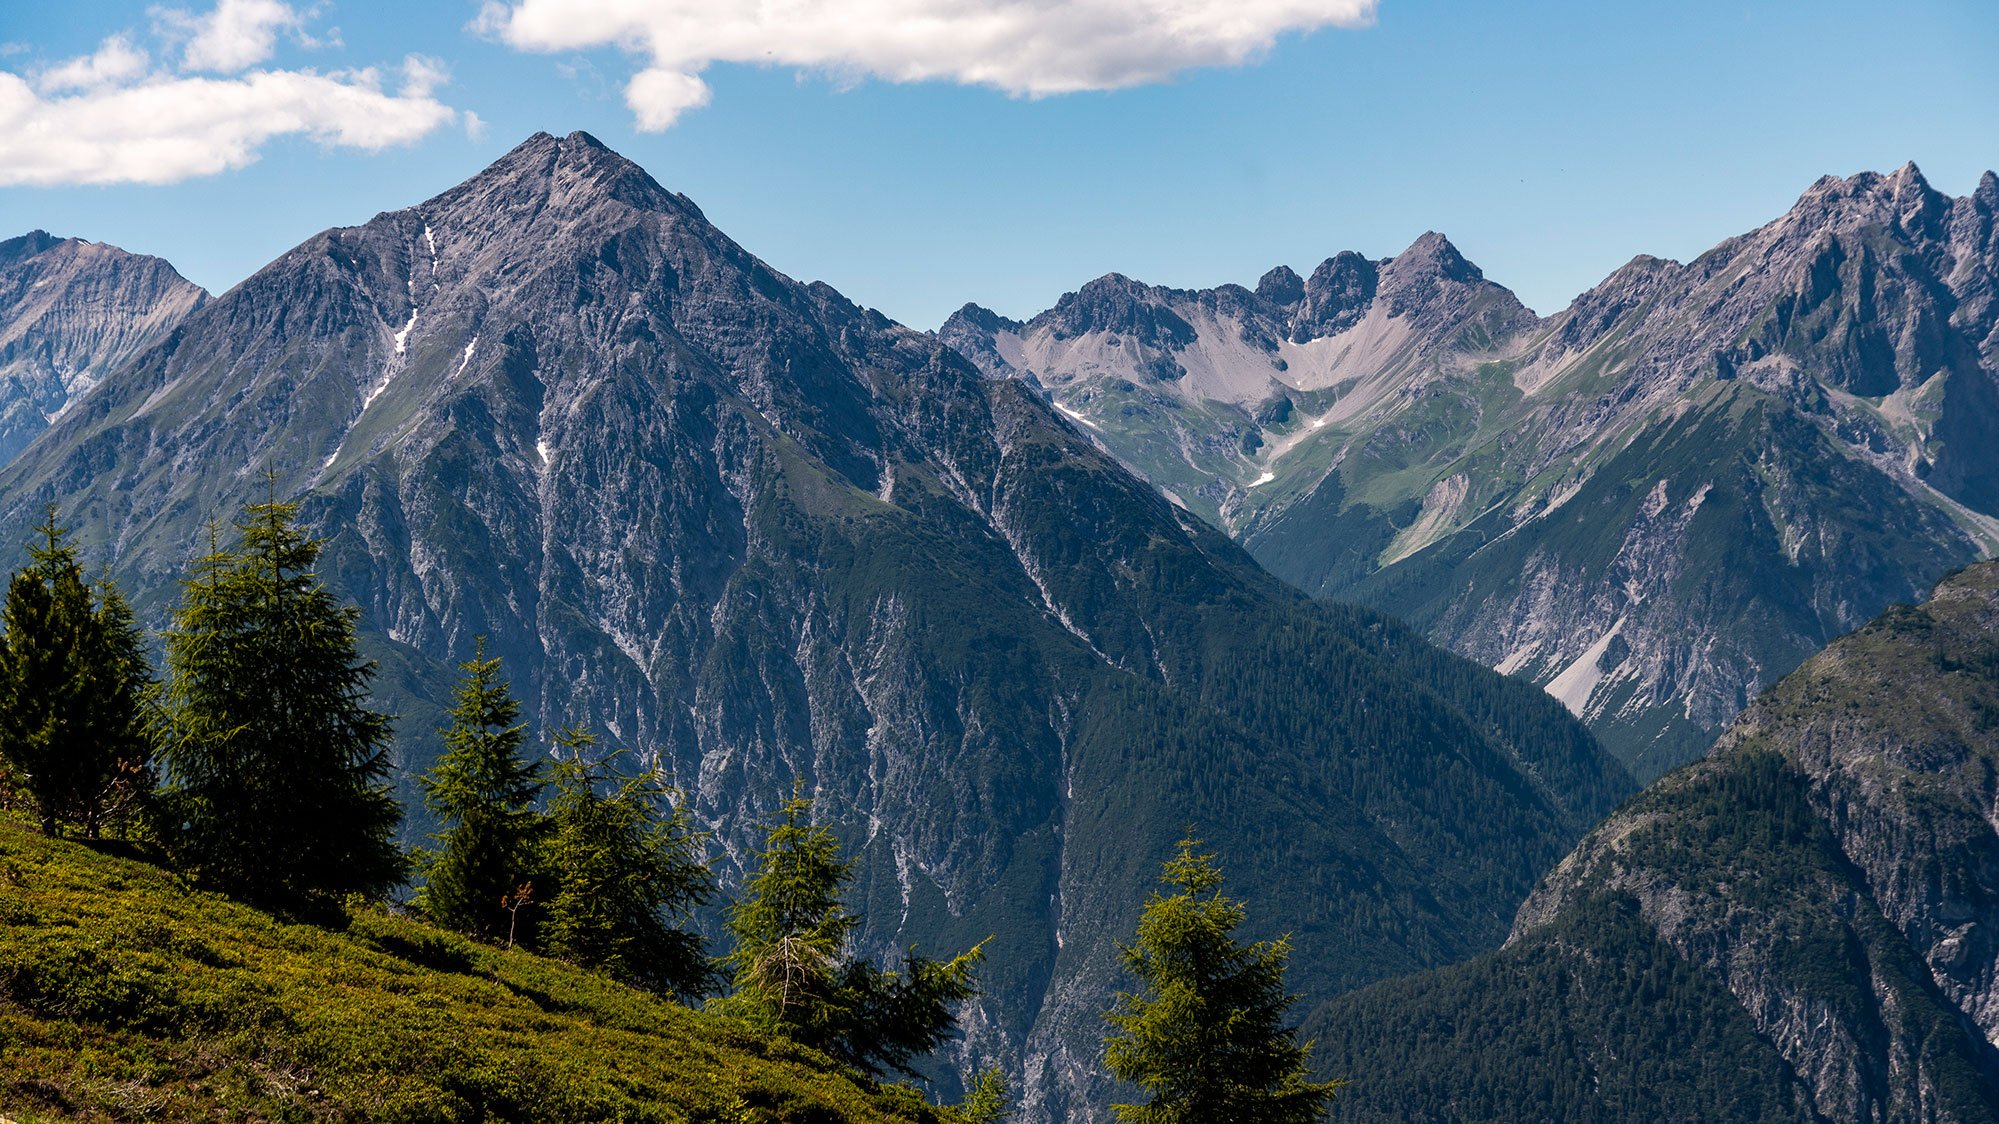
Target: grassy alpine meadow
x=126, y=995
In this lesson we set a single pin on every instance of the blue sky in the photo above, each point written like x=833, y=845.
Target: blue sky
x=1551, y=141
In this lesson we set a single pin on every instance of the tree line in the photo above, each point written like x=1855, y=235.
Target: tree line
x=254, y=764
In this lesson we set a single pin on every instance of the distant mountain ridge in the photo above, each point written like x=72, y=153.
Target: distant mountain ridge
x=1654, y=503
x=71, y=311
x=764, y=533
x=1802, y=926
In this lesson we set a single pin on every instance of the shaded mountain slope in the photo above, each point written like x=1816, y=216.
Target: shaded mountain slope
x=1805, y=923
x=71, y=311
x=747, y=526
x=1654, y=503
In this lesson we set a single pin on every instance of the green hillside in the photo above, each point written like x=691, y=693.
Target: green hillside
x=126, y=996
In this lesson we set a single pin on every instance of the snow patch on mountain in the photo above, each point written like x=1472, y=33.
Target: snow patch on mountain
x=1076, y=415
x=402, y=337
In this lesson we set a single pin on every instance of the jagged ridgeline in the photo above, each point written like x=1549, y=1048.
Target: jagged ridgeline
x=1654, y=503
x=1803, y=926
x=744, y=524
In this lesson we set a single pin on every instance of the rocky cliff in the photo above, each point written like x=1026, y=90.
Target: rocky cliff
x=70, y=311
x=1806, y=920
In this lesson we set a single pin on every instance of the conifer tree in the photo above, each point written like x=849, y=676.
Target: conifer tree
x=279, y=767
x=624, y=862
x=793, y=974
x=986, y=1099
x=124, y=709
x=1205, y=1039
x=74, y=684
x=483, y=792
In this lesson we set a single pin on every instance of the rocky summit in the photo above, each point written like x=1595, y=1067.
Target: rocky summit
x=70, y=312
x=760, y=533
x=1653, y=503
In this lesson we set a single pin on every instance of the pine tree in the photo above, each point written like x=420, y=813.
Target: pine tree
x=1206, y=1038
x=483, y=792
x=792, y=973
x=74, y=684
x=279, y=767
x=623, y=863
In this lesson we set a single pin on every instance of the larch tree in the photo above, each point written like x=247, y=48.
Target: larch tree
x=279, y=768
x=987, y=1099
x=75, y=687
x=1205, y=1036
x=483, y=793
x=792, y=968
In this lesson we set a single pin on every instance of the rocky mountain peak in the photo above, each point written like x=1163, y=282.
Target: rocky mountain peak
x=973, y=331
x=1335, y=297
x=572, y=188
x=1595, y=312
x=1432, y=254
x=70, y=311
x=1119, y=305
x=27, y=245
x=978, y=316
x=1834, y=205
x=1433, y=282
x=1281, y=285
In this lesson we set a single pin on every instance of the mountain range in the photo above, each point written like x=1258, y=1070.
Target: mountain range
x=1007, y=598
x=1654, y=503
x=759, y=533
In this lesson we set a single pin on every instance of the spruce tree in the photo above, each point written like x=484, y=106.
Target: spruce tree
x=1205, y=1039
x=483, y=793
x=74, y=684
x=793, y=974
x=624, y=862
x=279, y=768
x=124, y=711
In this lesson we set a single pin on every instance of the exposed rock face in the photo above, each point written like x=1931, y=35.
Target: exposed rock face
x=1890, y=739
x=1654, y=503
x=742, y=524
x=1830, y=873
x=70, y=311
x=1202, y=391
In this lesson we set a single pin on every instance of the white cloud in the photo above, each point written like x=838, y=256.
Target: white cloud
x=236, y=35
x=164, y=128
x=113, y=117
x=422, y=75
x=114, y=62
x=1024, y=47
x=659, y=96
